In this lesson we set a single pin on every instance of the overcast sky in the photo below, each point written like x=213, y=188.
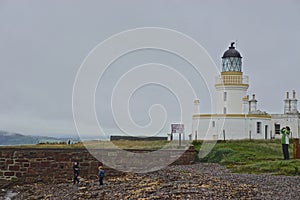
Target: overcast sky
x=43, y=44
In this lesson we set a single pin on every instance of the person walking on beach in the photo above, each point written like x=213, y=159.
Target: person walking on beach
x=76, y=173
x=285, y=131
x=100, y=174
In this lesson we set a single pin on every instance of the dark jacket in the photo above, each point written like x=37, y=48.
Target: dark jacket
x=76, y=169
x=101, y=173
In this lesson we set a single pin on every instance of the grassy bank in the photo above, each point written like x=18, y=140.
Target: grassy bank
x=122, y=144
x=255, y=156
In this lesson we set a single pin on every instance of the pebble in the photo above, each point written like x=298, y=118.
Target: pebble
x=197, y=181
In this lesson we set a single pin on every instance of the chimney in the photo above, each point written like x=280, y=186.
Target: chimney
x=245, y=104
x=294, y=94
x=253, y=104
x=196, y=106
x=287, y=104
x=293, y=104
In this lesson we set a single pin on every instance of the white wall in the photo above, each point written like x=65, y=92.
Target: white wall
x=293, y=121
x=234, y=102
x=235, y=128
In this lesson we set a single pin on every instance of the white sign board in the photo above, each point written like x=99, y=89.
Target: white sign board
x=177, y=128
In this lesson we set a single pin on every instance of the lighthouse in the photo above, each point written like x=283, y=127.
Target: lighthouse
x=231, y=85
x=236, y=116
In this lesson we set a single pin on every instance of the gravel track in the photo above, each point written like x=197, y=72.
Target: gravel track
x=198, y=181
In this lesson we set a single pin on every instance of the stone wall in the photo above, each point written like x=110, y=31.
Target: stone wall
x=55, y=165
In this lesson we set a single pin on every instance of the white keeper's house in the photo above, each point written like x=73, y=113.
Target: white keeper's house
x=237, y=116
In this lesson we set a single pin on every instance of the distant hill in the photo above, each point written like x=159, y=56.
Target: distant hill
x=8, y=138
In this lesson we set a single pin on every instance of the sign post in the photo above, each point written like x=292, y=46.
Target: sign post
x=178, y=128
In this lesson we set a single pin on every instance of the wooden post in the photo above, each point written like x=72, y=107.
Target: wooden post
x=250, y=134
x=179, y=139
x=296, y=148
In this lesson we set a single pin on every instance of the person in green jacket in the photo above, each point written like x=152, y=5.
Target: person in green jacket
x=285, y=131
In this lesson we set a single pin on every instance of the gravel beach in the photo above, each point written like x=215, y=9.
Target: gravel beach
x=198, y=181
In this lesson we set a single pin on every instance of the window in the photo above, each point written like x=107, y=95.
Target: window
x=277, y=128
x=213, y=124
x=258, y=127
x=225, y=110
x=225, y=96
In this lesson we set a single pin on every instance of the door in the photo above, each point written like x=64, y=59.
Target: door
x=266, y=131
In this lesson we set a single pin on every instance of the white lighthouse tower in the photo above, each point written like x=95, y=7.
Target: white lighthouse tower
x=236, y=117
x=231, y=85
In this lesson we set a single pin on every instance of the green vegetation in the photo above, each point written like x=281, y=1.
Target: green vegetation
x=128, y=144
x=252, y=156
x=122, y=144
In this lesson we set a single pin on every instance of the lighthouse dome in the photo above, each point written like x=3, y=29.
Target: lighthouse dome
x=231, y=60
x=231, y=52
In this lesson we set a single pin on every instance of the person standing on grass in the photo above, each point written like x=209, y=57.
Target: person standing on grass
x=100, y=174
x=76, y=173
x=285, y=131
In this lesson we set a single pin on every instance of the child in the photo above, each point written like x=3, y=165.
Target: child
x=76, y=173
x=100, y=175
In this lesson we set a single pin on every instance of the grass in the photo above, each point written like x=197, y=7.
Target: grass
x=122, y=144
x=255, y=157
x=126, y=144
